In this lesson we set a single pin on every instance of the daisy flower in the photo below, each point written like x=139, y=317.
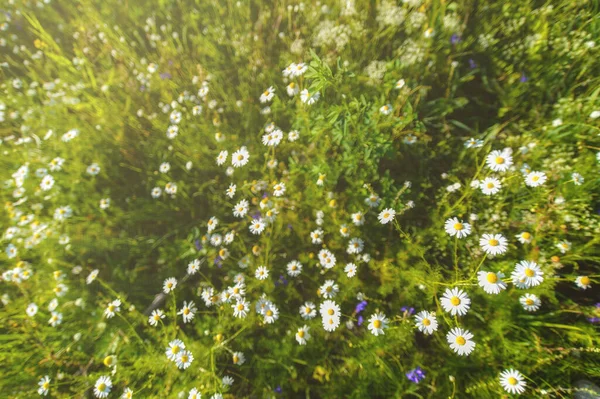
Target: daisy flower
x=238, y=358
x=358, y=219
x=44, y=384
x=329, y=289
x=499, y=161
x=377, y=323
x=240, y=309
x=293, y=135
x=227, y=381
x=127, y=394
x=156, y=192
x=278, y=189
x=563, y=246
x=327, y=259
x=240, y=158
x=299, y=69
x=102, y=387
x=164, y=167
x=47, y=183
x=400, y=84
x=386, y=216
x=528, y=273
x=308, y=310
x=302, y=335
x=230, y=192
x=93, y=169
x=271, y=313
x=55, y=319
x=355, y=246
x=386, y=109
x=184, y=359
x=32, y=309
x=321, y=180
x=582, y=282
x=460, y=341
x=104, y=203
x=373, y=201
x=222, y=157
x=172, y=131
x=329, y=309
x=350, y=270
x=188, y=311
x=577, y=179
x=155, y=317
x=193, y=266
x=292, y=89
x=493, y=244
x=174, y=348
x=194, y=394
x=490, y=185
x=308, y=98
x=524, y=237
x=456, y=302
x=257, y=226
x=171, y=188
x=535, y=179
x=112, y=308
x=169, y=285
x=261, y=273
x=294, y=268
x=426, y=322
x=240, y=209
x=530, y=302
x=491, y=282
x=344, y=230
x=330, y=323
x=512, y=381
x=457, y=228
x=237, y=291
x=267, y=95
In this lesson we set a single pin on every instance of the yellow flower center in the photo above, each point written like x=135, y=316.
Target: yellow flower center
x=186, y=311
x=455, y=301
x=386, y=215
x=330, y=312
x=175, y=350
x=377, y=323
x=307, y=310
x=492, y=278
x=222, y=253
x=499, y=160
x=526, y=236
x=111, y=308
x=493, y=242
x=101, y=386
x=240, y=157
x=156, y=317
x=293, y=267
x=184, y=359
x=266, y=93
x=460, y=340
x=585, y=280
x=535, y=178
x=301, y=333
x=490, y=185
x=529, y=272
x=458, y=226
x=529, y=301
x=236, y=358
x=426, y=322
x=269, y=313
x=240, y=306
x=512, y=381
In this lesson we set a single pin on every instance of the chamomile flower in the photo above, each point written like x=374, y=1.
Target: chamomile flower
x=302, y=335
x=222, y=157
x=344, y=230
x=583, y=282
x=456, y=302
x=44, y=384
x=127, y=394
x=261, y=273
x=377, y=323
x=387, y=215
x=457, y=228
x=257, y=226
x=373, y=201
x=241, y=308
x=171, y=188
x=93, y=169
x=194, y=394
x=577, y=179
x=227, y=381
x=530, y=302
x=491, y=282
x=169, y=285
x=350, y=269
x=172, y=132
x=270, y=313
x=240, y=157
x=386, y=109
x=55, y=319
x=292, y=89
x=524, y=237
x=329, y=289
x=355, y=246
x=499, y=161
x=308, y=310
x=294, y=268
x=184, y=359
x=327, y=259
x=238, y=358
x=512, y=381
x=528, y=273
x=278, y=189
x=329, y=309
x=267, y=95
x=212, y=224
x=490, y=186
x=102, y=387
x=330, y=323
x=112, y=308
x=316, y=236
x=461, y=341
x=358, y=218
x=563, y=246
x=47, y=183
x=193, y=267
x=299, y=69
x=174, y=348
x=293, y=136
x=31, y=310
x=307, y=98
x=164, y=167
x=400, y=84
x=155, y=317
x=241, y=209
x=156, y=192
x=188, y=311
x=493, y=244
x=534, y=179
x=426, y=322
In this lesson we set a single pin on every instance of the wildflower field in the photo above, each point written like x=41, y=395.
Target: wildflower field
x=285, y=199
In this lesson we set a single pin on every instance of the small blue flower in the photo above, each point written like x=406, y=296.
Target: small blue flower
x=360, y=307
x=416, y=375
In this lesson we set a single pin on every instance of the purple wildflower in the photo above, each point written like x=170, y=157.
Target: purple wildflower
x=407, y=310
x=416, y=375
x=472, y=63
x=360, y=320
x=198, y=245
x=360, y=307
x=455, y=39
x=523, y=78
